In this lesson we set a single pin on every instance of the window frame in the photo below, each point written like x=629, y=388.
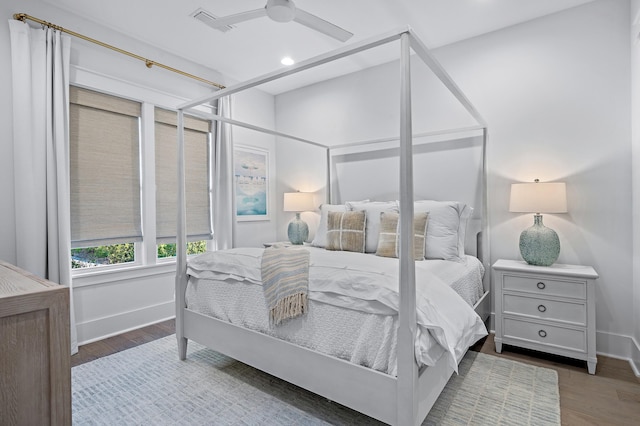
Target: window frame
x=146, y=262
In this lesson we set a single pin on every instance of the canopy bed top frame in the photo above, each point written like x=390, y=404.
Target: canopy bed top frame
x=408, y=409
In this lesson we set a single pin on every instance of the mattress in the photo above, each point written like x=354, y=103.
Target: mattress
x=361, y=330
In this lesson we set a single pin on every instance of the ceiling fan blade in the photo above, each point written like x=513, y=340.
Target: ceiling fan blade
x=319, y=24
x=224, y=21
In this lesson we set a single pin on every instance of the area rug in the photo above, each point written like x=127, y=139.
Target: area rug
x=148, y=385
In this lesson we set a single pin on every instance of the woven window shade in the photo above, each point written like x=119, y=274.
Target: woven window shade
x=105, y=169
x=196, y=141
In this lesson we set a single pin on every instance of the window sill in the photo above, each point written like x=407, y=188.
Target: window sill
x=88, y=278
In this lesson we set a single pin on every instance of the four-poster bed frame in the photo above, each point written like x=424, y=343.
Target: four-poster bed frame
x=403, y=400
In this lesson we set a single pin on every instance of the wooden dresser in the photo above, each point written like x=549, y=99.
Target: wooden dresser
x=35, y=360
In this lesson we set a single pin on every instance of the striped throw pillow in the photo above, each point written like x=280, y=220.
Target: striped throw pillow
x=346, y=231
x=389, y=236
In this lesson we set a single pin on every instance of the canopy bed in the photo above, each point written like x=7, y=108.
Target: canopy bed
x=421, y=347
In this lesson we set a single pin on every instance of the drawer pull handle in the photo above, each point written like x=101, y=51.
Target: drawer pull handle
x=541, y=285
x=542, y=308
x=542, y=333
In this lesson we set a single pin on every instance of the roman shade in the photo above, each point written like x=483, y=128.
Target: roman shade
x=104, y=137
x=197, y=185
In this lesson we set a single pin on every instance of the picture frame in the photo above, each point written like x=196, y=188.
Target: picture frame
x=251, y=181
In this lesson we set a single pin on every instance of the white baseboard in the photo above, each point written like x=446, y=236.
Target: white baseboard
x=635, y=357
x=613, y=345
x=619, y=347
x=101, y=328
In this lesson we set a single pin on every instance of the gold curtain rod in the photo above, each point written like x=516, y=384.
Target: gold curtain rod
x=148, y=62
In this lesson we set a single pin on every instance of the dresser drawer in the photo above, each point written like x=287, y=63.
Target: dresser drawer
x=573, y=313
x=544, y=334
x=545, y=287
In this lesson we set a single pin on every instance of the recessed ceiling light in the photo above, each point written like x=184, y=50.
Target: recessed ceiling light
x=287, y=61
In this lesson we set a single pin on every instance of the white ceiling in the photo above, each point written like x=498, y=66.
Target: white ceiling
x=255, y=47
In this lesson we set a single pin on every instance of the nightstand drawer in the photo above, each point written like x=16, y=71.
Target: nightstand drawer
x=545, y=287
x=574, y=313
x=544, y=334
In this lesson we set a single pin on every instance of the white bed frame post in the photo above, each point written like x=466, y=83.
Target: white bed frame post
x=407, y=393
x=181, y=244
x=485, y=235
x=329, y=194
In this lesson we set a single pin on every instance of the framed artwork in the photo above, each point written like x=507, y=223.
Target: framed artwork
x=251, y=175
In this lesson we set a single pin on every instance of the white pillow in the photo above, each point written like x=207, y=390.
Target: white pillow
x=373, y=209
x=445, y=229
x=320, y=239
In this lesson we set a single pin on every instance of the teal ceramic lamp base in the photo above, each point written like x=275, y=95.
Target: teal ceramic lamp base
x=298, y=230
x=539, y=245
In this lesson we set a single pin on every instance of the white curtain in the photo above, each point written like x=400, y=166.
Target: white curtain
x=40, y=72
x=224, y=215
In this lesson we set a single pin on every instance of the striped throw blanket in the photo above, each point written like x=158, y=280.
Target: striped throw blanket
x=285, y=282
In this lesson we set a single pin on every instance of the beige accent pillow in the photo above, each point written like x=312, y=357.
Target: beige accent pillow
x=345, y=231
x=390, y=234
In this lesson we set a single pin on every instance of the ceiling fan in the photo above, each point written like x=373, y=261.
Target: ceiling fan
x=282, y=11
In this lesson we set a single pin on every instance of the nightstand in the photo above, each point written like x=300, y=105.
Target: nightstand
x=546, y=308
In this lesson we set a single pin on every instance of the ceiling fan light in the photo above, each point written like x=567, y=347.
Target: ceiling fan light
x=281, y=10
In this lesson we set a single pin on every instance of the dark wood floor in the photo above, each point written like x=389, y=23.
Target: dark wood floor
x=122, y=342
x=610, y=397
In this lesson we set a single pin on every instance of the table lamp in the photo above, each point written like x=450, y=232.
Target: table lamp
x=298, y=230
x=539, y=245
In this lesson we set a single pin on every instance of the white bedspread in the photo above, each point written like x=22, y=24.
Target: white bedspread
x=361, y=338
x=366, y=283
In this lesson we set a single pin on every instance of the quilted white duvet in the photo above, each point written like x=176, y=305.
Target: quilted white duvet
x=353, y=305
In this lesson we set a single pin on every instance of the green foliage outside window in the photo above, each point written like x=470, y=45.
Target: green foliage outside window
x=123, y=253
x=169, y=250
x=102, y=255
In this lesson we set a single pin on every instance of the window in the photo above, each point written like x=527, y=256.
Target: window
x=104, y=135
x=197, y=186
x=122, y=178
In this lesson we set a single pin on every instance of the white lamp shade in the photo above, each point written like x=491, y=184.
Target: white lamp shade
x=538, y=197
x=298, y=201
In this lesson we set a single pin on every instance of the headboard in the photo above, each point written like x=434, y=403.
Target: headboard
x=444, y=169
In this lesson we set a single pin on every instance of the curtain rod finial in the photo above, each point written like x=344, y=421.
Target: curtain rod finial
x=20, y=16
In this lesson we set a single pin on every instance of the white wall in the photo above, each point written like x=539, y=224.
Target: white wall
x=257, y=108
x=300, y=168
x=555, y=92
x=110, y=303
x=635, y=108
